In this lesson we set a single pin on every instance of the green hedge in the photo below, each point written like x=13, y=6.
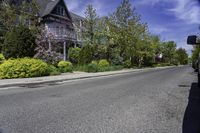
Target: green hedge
x=23, y=68
x=65, y=66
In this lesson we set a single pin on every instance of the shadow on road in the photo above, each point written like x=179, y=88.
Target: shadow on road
x=191, y=122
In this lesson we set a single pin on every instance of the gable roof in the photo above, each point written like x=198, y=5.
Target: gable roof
x=49, y=7
x=46, y=6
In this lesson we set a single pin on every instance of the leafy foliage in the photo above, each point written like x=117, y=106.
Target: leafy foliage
x=127, y=64
x=182, y=56
x=86, y=54
x=43, y=51
x=103, y=63
x=90, y=24
x=92, y=67
x=65, y=66
x=169, y=51
x=23, y=68
x=20, y=42
x=2, y=58
x=74, y=55
x=53, y=70
x=10, y=12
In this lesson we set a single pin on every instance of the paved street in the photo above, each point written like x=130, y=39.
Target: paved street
x=152, y=101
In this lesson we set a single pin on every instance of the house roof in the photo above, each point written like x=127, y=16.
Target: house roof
x=46, y=6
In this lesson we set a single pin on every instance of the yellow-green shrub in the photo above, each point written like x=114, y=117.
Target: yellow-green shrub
x=65, y=66
x=2, y=58
x=103, y=63
x=23, y=68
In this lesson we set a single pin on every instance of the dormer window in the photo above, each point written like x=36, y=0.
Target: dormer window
x=60, y=10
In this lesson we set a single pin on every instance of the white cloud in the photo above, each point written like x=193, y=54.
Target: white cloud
x=150, y=2
x=187, y=11
x=79, y=7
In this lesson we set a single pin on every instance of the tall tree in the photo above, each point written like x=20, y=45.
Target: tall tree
x=182, y=56
x=169, y=51
x=14, y=13
x=123, y=13
x=8, y=15
x=90, y=24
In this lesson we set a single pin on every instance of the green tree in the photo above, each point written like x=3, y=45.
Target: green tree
x=125, y=29
x=169, y=51
x=25, y=14
x=74, y=55
x=8, y=15
x=19, y=42
x=90, y=24
x=182, y=56
x=86, y=54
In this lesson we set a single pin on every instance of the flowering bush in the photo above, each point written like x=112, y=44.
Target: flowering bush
x=50, y=57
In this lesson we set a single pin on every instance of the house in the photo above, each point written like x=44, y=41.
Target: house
x=64, y=26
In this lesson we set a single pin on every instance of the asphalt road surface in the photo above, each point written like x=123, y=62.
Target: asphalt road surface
x=152, y=101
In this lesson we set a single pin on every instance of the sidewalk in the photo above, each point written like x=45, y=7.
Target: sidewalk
x=67, y=76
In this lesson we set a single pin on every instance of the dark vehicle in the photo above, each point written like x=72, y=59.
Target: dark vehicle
x=194, y=40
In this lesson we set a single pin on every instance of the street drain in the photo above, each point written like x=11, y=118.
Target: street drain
x=183, y=86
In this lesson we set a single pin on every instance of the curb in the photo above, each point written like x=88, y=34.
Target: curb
x=22, y=84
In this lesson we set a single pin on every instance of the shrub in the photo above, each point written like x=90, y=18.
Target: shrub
x=23, y=68
x=53, y=70
x=92, y=67
x=74, y=55
x=86, y=54
x=2, y=58
x=18, y=43
x=127, y=64
x=50, y=57
x=103, y=65
x=101, y=52
x=65, y=66
x=114, y=56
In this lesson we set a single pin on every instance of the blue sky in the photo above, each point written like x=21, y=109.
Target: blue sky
x=171, y=19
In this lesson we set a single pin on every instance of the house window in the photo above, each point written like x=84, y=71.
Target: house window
x=60, y=10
